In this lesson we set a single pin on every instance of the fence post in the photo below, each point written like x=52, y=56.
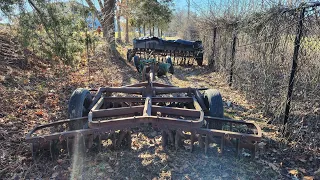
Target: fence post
x=233, y=53
x=225, y=49
x=212, y=61
x=294, y=67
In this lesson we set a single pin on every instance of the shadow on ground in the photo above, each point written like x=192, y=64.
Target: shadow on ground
x=150, y=161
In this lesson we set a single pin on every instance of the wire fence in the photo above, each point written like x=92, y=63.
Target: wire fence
x=273, y=57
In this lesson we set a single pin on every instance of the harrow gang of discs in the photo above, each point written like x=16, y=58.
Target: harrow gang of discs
x=146, y=103
x=184, y=52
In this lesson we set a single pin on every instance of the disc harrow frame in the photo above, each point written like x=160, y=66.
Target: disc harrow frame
x=146, y=103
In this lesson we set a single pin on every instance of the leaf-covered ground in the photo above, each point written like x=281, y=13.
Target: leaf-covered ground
x=39, y=94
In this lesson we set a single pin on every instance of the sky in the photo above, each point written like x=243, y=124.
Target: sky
x=178, y=5
x=194, y=4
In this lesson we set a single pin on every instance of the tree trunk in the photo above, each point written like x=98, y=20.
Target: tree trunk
x=110, y=21
x=127, y=29
x=139, y=31
x=127, y=26
x=106, y=19
x=93, y=20
x=159, y=32
x=118, y=27
x=144, y=30
x=152, y=29
x=104, y=30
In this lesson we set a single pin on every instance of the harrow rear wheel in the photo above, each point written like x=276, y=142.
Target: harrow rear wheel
x=213, y=101
x=79, y=107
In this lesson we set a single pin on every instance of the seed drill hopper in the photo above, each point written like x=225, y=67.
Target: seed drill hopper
x=186, y=117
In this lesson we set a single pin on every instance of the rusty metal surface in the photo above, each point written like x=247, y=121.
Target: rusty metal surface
x=154, y=99
x=149, y=111
x=160, y=122
x=220, y=137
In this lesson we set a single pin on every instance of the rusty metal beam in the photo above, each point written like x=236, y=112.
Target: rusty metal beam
x=147, y=107
x=225, y=120
x=166, y=90
x=116, y=111
x=176, y=111
x=96, y=97
x=140, y=90
x=221, y=133
x=154, y=99
x=132, y=90
x=98, y=104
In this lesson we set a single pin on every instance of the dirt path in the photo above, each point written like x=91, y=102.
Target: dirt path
x=147, y=159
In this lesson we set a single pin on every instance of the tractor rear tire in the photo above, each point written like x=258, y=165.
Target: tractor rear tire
x=79, y=107
x=214, y=103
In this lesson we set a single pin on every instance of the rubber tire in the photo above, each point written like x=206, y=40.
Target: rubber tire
x=199, y=59
x=136, y=62
x=171, y=69
x=79, y=107
x=213, y=101
x=129, y=55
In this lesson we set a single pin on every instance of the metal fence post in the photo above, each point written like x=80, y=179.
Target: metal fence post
x=212, y=59
x=294, y=66
x=233, y=53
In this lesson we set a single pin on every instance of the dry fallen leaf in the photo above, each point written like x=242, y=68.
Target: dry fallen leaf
x=308, y=178
x=224, y=175
x=302, y=170
x=317, y=173
x=26, y=81
x=293, y=172
x=39, y=113
x=273, y=166
x=301, y=159
x=59, y=161
x=261, y=145
x=2, y=78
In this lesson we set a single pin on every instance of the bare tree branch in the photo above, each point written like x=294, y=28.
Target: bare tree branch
x=41, y=16
x=100, y=4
